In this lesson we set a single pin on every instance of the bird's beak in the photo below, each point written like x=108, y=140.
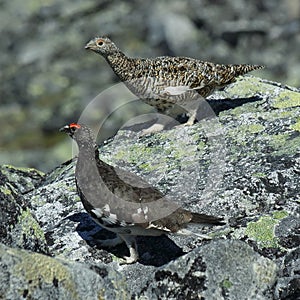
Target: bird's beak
x=65, y=129
x=90, y=45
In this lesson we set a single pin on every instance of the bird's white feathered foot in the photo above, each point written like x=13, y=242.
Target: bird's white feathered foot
x=130, y=241
x=192, y=118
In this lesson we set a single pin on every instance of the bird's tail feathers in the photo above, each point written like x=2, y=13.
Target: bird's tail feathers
x=206, y=219
x=243, y=69
x=186, y=231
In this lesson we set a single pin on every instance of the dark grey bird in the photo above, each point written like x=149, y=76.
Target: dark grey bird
x=122, y=202
x=165, y=81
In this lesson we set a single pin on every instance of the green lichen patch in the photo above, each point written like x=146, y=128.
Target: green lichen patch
x=277, y=141
x=6, y=191
x=296, y=126
x=23, y=179
x=169, y=152
x=287, y=99
x=254, y=128
x=23, y=170
x=30, y=226
x=226, y=283
x=265, y=273
x=37, y=268
x=245, y=132
x=284, y=144
x=248, y=86
x=280, y=214
x=139, y=154
x=136, y=152
x=259, y=175
x=262, y=231
x=281, y=114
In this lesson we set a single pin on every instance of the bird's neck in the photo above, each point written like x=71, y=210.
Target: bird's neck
x=88, y=152
x=88, y=177
x=121, y=64
x=87, y=164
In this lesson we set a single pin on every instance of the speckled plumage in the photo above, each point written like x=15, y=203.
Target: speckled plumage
x=122, y=202
x=164, y=81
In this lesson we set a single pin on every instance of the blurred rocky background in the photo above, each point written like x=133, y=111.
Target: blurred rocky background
x=48, y=78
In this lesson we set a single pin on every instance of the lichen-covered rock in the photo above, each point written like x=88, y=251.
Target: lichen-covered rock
x=26, y=275
x=18, y=226
x=220, y=270
x=242, y=164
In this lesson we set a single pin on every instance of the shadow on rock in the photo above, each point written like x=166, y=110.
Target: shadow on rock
x=155, y=251
x=156, y=122
x=219, y=105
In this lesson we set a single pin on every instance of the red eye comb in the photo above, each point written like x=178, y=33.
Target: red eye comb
x=74, y=125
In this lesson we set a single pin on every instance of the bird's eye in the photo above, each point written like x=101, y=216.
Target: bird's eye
x=100, y=43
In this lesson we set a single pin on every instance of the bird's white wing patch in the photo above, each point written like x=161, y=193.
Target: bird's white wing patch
x=110, y=219
x=153, y=226
x=176, y=90
x=98, y=212
x=179, y=89
x=105, y=215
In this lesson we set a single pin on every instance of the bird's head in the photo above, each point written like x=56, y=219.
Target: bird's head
x=102, y=45
x=71, y=129
x=82, y=134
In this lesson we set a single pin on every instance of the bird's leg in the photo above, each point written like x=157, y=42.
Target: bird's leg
x=152, y=129
x=132, y=247
x=190, y=121
x=192, y=117
x=162, y=122
x=192, y=111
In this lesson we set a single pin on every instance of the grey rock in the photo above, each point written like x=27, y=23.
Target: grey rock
x=26, y=275
x=242, y=164
x=19, y=227
x=288, y=284
x=220, y=270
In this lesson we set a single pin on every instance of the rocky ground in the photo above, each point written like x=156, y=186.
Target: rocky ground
x=47, y=78
x=243, y=164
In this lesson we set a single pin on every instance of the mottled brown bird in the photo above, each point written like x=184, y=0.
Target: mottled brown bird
x=122, y=202
x=164, y=81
